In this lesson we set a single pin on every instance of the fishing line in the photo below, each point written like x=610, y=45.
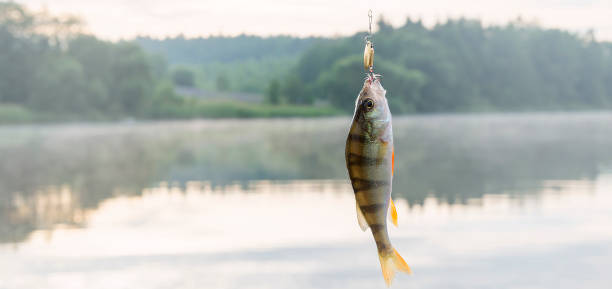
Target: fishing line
x=370, y=26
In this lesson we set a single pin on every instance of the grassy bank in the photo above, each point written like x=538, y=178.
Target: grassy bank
x=10, y=113
x=14, y=114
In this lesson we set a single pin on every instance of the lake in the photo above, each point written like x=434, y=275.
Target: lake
x=484, y=201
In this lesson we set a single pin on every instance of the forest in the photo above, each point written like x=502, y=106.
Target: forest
x=50, y=70
x=462, y=66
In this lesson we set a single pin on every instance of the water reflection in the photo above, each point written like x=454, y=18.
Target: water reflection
x=52, y=175
x=304, y=234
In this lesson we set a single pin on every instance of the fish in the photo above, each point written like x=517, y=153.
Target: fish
x=370, y=163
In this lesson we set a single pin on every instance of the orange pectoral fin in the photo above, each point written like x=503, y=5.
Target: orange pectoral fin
x=392, y=161
x=393, y=212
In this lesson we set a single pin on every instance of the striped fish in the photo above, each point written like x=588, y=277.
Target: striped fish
x=369, y=159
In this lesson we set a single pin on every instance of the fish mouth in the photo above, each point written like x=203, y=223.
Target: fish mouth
x=373, y=89
x=372, y=79
x=375, y=84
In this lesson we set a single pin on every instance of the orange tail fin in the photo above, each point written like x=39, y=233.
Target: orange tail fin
x=391, y=263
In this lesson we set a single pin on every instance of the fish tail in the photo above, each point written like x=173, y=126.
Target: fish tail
x=391, y=262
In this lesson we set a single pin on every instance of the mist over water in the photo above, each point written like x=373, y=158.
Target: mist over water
x=521, y=198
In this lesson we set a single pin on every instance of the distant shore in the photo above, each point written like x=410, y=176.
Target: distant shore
x=15, y=114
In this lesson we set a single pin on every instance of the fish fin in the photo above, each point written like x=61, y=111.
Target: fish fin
x=390, y=263
x=392, y=162
x=361, y=219
x=393, y=212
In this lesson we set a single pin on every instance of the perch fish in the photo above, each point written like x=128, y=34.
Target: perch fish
x=369, y=160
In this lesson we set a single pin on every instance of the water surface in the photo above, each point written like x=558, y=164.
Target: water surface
x=488, y=201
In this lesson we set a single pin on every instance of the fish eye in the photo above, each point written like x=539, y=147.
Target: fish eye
x=368, y=104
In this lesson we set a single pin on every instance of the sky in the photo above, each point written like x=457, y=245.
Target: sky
x=124, y=19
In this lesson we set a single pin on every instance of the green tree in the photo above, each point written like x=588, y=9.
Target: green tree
x=273, y=92
x=294, y=91
x=60, y=87
x=164, y=102
x=223, y=83
x=183, y=77
x=132, y=78
x=96, y=59
x=159, y=66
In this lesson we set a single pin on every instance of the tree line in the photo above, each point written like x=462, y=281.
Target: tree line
x=49, y=67
x=456, y=66
x=461, y=65
x=50, y=70
x=242, y=63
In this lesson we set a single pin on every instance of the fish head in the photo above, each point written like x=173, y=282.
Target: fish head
x=371, y=107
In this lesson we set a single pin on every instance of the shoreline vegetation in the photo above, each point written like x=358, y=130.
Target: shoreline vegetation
x=13, y=114
x=50, y=71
